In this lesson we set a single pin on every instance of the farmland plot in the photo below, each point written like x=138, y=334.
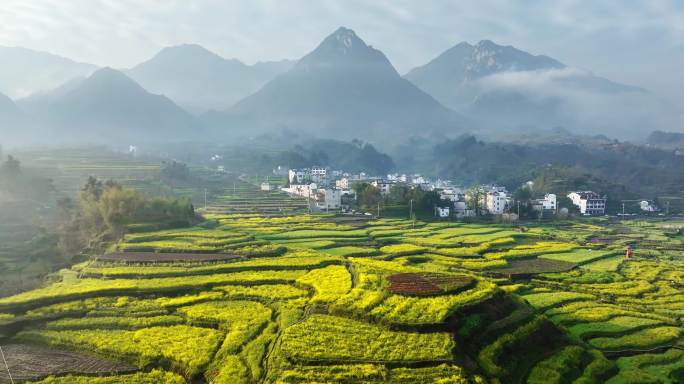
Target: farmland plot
x=249, y=297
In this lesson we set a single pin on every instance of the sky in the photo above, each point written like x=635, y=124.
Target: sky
x=635, y=42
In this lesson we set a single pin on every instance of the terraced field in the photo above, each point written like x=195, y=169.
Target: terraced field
x=246, y=298
x=243, y=197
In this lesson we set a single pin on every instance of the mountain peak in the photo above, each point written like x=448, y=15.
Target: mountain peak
x=108, y=75
x=184, y=51
x=344, y=39
x=487, y=44
x=345, y=49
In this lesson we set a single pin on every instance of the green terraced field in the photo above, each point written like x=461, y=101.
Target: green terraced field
x=305, y=298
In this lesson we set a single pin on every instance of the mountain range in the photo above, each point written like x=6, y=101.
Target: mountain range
x=509, y=88
x=109, y=106
x=200, y=80
x=25, y=71
x=343, y=89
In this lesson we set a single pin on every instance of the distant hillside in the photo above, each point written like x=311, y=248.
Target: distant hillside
x=669, y=140
x=505, y=87
x=13, y=122
x=8, y=109
x=25, y=71
x=199, y=80
x=343, y=88
x=109, y=106
x=639, y=170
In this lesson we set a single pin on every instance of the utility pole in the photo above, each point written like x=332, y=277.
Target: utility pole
x=667, y=208
x=413, y=221
x=518, y=209
x=205, y=199
x=623, y=208
x=378, y=210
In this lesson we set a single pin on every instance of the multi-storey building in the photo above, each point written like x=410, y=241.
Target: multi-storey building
x=588, y=202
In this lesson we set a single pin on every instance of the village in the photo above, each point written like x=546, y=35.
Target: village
x=337, y=190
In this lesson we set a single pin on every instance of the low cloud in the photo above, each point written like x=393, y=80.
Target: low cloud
x=584, y=102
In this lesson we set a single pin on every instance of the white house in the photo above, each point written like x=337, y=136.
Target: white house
x=303, y=190
x=452, y=194
x=648, y=206
x=418, y=180
x=319, y=198
x=397, y=178
x=328, y=198
x=343, y=183
x=299, y=176
x=319, y=175
x=496, y=202
x=548, y=203
x=443, y=212
x=267, y=187
x=588, y=202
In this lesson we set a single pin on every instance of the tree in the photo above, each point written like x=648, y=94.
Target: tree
x=173, y=170
x=367, y=195
x=475, y=197
x=522, y=194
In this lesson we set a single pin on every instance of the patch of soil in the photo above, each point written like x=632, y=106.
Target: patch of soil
x=31, y=362
x=427, y=284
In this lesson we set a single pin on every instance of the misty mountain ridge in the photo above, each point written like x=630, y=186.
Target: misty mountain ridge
x=8, y=109
x=200, y=80
x=508, y=88
x=25, y=71
x=109, y=106
x=450, y=76
x=343, y=88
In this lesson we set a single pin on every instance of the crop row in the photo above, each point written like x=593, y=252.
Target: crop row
x=189, y=349
x=336, y=339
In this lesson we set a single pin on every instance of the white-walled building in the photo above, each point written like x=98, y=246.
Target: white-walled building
x=397, y=178
x=588, y=202
x=452, y=194
x=548, y=203
x=443, y=212
x=496, y=202
x=319, y=198
x=299, y=176
x=319, y=175
x=328, y=198
x=648, y=206
x=343, y=183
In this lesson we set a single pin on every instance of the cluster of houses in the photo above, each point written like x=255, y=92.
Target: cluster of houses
x=325, y=190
